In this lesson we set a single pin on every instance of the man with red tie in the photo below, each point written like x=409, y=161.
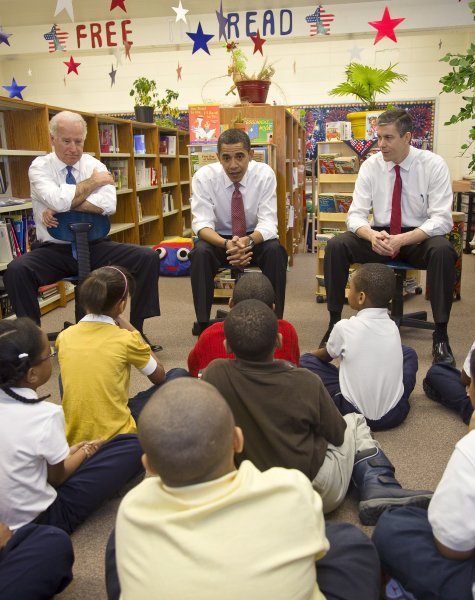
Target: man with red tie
x=234, y=207
x=410, y=195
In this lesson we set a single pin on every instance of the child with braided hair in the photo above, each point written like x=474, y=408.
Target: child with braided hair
x=42, y=479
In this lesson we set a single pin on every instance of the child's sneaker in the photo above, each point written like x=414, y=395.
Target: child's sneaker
x=395, y=591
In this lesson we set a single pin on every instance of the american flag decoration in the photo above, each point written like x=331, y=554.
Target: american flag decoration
x=320, y=21
x=56, y=39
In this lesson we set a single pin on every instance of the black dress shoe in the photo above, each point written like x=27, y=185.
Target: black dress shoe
x=153, y=347
x=442, y=353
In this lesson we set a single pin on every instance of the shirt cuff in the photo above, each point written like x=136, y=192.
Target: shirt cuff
x=149, y=367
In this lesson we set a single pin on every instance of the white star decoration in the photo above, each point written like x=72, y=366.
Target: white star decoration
x=180, y=13
x=66, y=5
x=355, y=53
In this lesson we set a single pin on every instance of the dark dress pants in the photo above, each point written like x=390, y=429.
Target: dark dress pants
x=206, y=260
x=50, y=262
x=435, y=254
x=404, y=540
x=443, y=384
x=36, y=563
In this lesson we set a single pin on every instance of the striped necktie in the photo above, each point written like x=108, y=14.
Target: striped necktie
x=70, y=177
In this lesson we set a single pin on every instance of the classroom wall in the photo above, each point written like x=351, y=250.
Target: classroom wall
x=305, y=70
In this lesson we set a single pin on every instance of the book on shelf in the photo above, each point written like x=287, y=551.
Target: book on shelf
x=163, y=173
x=346, y=164
x=171, y=145
x=259, y=130
x=261, y=154
x=326, y=203
x=343, y=202
x=139, y=143
x=337, y=131
x=6, y=252
x=5, y=182
x=119, y=169
x=204, y=123
x=108, y=137
x=326, y=162
x=140, y=174
x=139, y=209
x=371, y=124
x=200, y=159
x=46, y=291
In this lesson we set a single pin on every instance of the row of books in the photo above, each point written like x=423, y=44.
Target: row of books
x=144, y=175
x=331, y=203
x=120, y=172
x=167, y=202
x=337, y=131
x=333, y=163
x=167, y=145
x=109, y=137
x=17, y=233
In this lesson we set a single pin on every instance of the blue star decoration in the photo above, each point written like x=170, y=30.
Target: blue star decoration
x=4, y=37
x=200, y=39
x=14, y=90
x=222, y=21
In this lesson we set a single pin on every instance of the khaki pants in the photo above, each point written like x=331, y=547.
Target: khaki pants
x=333, y=478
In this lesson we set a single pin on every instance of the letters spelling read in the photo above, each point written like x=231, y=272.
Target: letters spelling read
x=107, y=32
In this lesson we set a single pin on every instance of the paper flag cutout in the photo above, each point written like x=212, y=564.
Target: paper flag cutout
x=72, y=66
x=14, y=90
x=118, y=4
x=258, y=42
x=200, y=39
x=180, y=13
x=4, y=37
x=361, y=147
x=112, y=75
x=222, y=22
x=66, y=5
x=56, y=39
x=386, y=26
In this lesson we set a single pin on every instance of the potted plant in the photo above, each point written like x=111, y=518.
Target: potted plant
x=461, y=80
x=166, y=111
x=365, y=83
x=251, y=88
x=145, y=98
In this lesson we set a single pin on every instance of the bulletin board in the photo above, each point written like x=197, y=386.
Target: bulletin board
x=314, y=117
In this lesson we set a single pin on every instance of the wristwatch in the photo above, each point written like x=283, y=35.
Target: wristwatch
x=252, y=243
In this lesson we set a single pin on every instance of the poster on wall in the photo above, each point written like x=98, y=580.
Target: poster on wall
x=314, y=118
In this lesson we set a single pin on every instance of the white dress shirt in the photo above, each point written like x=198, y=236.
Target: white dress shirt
x=49, y=189
x=426, y=200
x=212, y=193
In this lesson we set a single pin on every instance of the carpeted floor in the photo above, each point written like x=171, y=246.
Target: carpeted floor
x=419, y=448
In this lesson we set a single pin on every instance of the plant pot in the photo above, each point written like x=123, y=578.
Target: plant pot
x=253, y=91
x=144, y=114
x=358, y=124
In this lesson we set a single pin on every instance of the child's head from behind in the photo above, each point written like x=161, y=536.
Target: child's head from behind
x=106, y=290
x=253, y=286
x=187, y=433
x=372, y=285
x=251, y=331
x=24, y=354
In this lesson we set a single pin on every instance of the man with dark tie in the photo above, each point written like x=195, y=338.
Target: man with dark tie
x=234, y=206
x=67, y=179
x=410, y=195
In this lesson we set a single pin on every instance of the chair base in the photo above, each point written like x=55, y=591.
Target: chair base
x=415, y=319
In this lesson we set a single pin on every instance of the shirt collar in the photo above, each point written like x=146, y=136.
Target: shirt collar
x=243, y=183
x=373, y=313
x=61, y=165
x=406, y=163
x=25, y=392
x=90, y=318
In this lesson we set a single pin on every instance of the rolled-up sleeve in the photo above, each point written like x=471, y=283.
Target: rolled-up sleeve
x=439, y=201
x=104, y=197
x=362, y=201
x=202, y=204
x=46, y=190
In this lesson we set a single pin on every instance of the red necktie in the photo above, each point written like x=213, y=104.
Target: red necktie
x=238, y=217
x=395, y=224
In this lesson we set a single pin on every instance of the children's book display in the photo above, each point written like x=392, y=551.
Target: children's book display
x=204, y=124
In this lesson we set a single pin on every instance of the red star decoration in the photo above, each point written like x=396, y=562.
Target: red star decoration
x=385, y=27
x=127, y=46
x=258, y=42
x=72, y=66
x=178, y=72
x=118, y=4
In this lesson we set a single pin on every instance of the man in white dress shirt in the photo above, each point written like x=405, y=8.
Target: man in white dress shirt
x=214, y=189
x=425, y=217
x=66, y=179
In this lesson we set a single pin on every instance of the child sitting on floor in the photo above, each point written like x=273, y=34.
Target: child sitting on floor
x=432, y=553
x=210, y=345
x=376, y=374
x=448, y=386
x=95, y=356
x=200, y=528
x=42, y=479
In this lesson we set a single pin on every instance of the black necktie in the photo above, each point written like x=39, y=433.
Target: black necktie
x=70, y=177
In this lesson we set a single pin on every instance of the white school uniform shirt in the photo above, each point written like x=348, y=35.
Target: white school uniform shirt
x=466, y=364
x=370, y=352
x=49, y=188
x=452, y=506
x=212, y=193
x=426, y=199
x=31, y=437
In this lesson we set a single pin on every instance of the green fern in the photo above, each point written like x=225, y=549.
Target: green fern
x=365, y=82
